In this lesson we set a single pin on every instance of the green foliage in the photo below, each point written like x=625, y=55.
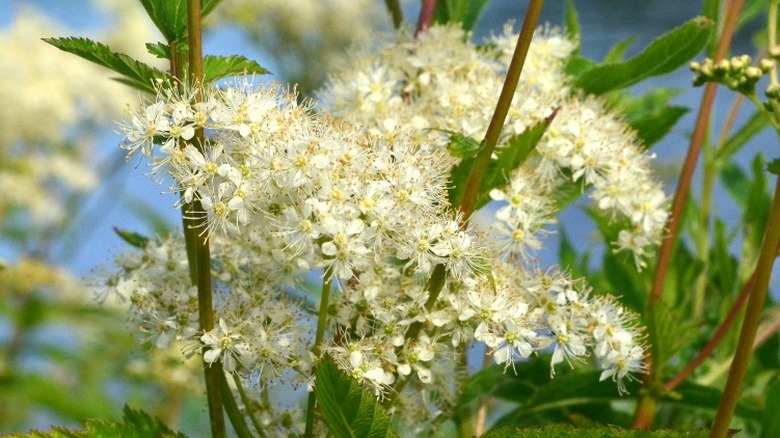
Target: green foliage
x=134, y=73
x=508, y=159
x=651, y=115
x=663, y=55
x=751, y=194
x=465, y=12
x=170, y=16
x=572, y=21
x=462, y=146
x=756, y=124
x=218, y=67
x=160, y=50
x=135, y=424
x=347, y=409
x=770, y=422
x=565, y=431
x=616, y=52
x=133, y=238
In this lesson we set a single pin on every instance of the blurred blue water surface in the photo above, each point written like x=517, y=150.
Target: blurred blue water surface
x=604, y=23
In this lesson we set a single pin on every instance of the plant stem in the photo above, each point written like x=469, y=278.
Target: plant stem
x=233, y=412
x=426, y=16
x=194, y=219
x=247, y=407
x=716, y=338
x=644, y=415
x=482, y=160
x=396, y=13
x=752, y=319
x=478, y=170
x=322, y=320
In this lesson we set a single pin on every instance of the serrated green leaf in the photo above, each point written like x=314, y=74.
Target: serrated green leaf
x=159, y=50
x=135, y=424
x=347, y=409
x=133, y=238
x=461, y=146
x=616, y=52
x=663, y=55
x=770, y=422
x=218, y=67
x=134, y=73
x=774, y=166
x=170, y=17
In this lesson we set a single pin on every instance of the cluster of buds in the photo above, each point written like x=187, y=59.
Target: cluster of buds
x=737, y=73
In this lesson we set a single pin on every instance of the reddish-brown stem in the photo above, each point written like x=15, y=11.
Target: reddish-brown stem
x=426, y=16
x=482, y=160
x=755, y=306
x=716, y=338
x=733, y=8
x=645, y=411
x=764, y=335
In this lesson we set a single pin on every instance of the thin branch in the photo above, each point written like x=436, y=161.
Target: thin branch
x=426, y=16
x=396, y=13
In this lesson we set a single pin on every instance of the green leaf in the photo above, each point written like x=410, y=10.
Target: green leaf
x=208, y=6
x=656, y=125
x=135, y=424
x=755, y=125
x=170, y=17
x=572, y=22
x=567, y=431
x=616, y=52
x=160, y=50
x=461, y=146
x=663, y=55
x=218, y=67
x=770, y=423
x=347, y=409
x=134, y=239
x=650, y=114
x=509, y=158
x=134, y=73
x=465, y=12
x=774, y=166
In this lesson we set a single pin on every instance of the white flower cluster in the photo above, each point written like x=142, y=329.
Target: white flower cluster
x=287, y=192
x=442, y=81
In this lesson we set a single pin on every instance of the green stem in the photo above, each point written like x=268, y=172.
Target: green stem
x=478, y=170
x=396, y=13
x=247, y=404
x=233, y=412
x=194, y=220
x=322, y=321
x=755, y=305
x=482, y=160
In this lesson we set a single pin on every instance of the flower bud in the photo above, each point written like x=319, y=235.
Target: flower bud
x=766, y=65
